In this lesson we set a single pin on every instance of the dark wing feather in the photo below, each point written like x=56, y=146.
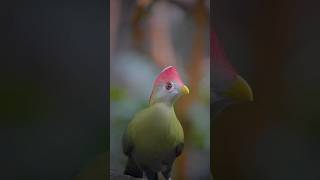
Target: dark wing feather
x=179, y=149
x=127, y=145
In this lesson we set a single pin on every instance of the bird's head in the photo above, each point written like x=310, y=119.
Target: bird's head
x=168, y=87
x=228, y=86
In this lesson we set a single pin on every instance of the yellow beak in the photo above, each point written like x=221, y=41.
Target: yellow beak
x=240, y=91
x=184, y=90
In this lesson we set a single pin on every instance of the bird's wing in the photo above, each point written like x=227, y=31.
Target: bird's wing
x=179, y=149
x=127, y=145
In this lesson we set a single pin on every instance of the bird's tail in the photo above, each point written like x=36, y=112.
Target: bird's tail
x=132, y=169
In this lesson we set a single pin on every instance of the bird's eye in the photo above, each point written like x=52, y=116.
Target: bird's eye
x=169, y=85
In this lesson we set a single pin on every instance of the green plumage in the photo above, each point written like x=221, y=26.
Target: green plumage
x=153, y=136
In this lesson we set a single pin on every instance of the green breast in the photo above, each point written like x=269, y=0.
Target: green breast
x=155, y=131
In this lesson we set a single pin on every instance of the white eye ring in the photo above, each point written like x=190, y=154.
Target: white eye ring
x=169, y=86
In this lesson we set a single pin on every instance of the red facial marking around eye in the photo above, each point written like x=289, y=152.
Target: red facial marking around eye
x=168, y=74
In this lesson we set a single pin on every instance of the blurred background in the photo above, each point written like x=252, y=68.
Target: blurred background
x=146, y=36
x=275, y=46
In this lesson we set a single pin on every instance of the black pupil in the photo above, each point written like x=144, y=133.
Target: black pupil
x=169, y=86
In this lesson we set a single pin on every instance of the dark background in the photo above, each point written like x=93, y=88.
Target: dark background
x=273, y=44
x=53, y=88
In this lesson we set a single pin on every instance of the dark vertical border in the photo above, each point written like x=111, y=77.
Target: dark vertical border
x=108, y=87
x=54, y=87
x=211, y=65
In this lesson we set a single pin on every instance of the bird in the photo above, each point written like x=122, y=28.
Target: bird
x=227, y=87
x=154, y=138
